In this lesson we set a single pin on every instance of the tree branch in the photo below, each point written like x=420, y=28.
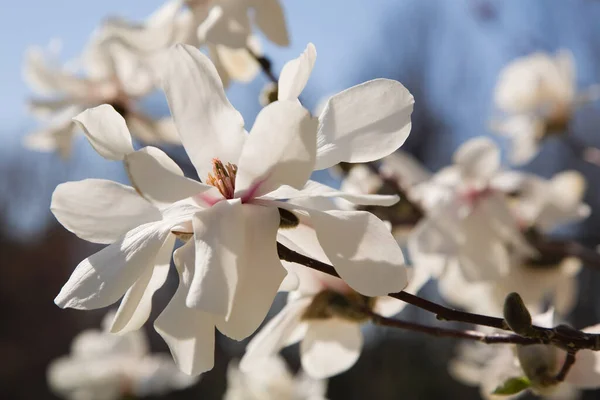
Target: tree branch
x=566, y=367
x=265, y=65
x=562, y=336
x=450, y=333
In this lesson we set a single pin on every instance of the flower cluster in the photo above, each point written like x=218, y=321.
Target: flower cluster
x=252, y=222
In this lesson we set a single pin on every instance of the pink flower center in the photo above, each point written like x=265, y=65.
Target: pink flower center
x=223, y=177
x=472, y=195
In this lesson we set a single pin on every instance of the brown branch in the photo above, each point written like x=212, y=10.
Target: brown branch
x=441, y=312
x=451, y=333
x=566, y=367
x=265, y=65
x=562, y=336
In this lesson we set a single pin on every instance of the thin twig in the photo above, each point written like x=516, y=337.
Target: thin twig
x=564, y=337
x=566, y=367
x=451, y=333
x=265, y=65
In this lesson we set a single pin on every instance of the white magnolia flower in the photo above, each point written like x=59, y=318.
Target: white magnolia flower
x=546, y=204
x=538, y=95
x=229, y=268
x=490, y=366
x=468, y=219
x=223, y=26
x=324, y=315
x=540, y=206
x=537, y=284
x=111, y=75
x=272, y=380
x=104, y=366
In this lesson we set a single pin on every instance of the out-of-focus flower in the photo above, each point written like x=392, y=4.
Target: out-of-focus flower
x=272, y=380
x=324, y=314
x=223, y=26
x=229, y=268
x=105, y=366
x=468, y=220
x=490, y=367
x=544, y=205
x=110, y=75
x=538, y=95
x=540, y=206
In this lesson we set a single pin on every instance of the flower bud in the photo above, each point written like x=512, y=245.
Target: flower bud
x=516, y=315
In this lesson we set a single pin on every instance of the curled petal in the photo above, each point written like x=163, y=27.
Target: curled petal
x=107, y=131
x=295, y=74
x=364, y=123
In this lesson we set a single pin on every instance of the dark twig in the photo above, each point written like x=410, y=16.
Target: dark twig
x=451, y=333
x=265, y=65
x=564, y=337
x=566, y=367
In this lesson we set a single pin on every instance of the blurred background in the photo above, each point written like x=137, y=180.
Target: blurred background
x=448, y=54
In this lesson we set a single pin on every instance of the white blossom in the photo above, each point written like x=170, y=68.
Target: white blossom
x=468, y=220
x=272, y=380
x=223, y=26
x=110, y=75
x=229, y=268
x=538, y=95
x=324, y=314
x=105, y=366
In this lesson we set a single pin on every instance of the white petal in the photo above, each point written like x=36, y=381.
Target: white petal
x=156, y=177
x=280, y=150
x=261, y=273
x=330, y=347
x=316, y=189
x=388, y=306
x=103, y=278
x=208, y=124
x=219, y=240
x=295, y=74
x=362, y=250
x=157, y=33
x=107, y=131
x=152, y=131
x=364, y=123
x=478, y=158
x=269, y=18
x=226, y=24
x=189, y=333
x=239, y=63
x=100, y=211
x=136, y=305
x=274, y=335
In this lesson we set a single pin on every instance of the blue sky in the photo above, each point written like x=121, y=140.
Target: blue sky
x=36, y=22
x=447, y=52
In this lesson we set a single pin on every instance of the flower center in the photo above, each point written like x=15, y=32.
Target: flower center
x=351, y=306
x=223, y=177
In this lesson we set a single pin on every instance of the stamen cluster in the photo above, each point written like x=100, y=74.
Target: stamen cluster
x=223, y=177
